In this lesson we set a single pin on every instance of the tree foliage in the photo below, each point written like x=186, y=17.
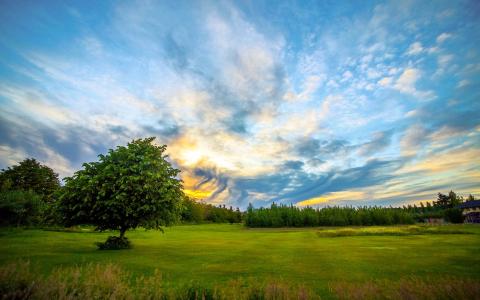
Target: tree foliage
x=129, y=187
x=30, y=175
x=21, y=208
x=448, y=201
x=196, y=211
x=445, y=207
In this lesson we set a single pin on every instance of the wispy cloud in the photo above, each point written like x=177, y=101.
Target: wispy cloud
x=290, y=104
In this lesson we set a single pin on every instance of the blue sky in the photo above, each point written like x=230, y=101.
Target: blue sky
x=308, y=102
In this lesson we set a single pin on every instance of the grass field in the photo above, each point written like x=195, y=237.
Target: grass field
x=214, y=254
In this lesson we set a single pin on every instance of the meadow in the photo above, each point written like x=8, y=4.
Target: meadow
x=327, y=261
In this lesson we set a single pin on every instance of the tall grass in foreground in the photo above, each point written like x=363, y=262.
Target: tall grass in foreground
x=292, y=216
x=20, y=281
x=410, y=288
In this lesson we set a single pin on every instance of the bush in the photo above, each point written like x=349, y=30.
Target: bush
x=114, y=243
x=453, y=215
x=21, y=208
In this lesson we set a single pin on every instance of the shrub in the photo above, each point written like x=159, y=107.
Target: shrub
x=114, y=243
x=21, y=208
x=453, y=215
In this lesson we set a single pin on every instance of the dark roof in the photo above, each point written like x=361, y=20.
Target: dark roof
x=470, y=204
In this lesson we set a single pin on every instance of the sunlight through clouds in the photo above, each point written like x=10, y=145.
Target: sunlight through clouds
x=310, y=104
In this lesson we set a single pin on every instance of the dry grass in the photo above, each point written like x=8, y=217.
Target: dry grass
x=411, y=289
x=20, y=281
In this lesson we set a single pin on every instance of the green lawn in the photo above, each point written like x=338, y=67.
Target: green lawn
x=211, y=254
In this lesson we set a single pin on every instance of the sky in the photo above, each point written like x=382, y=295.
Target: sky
x=312, y=103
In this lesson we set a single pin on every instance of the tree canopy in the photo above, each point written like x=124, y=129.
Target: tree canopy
x=448, y=201
x=30, y=175
x=131, y=186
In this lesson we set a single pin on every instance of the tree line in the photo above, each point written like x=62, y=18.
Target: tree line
x=135, y=185
x=293, y=216
x=445, y=207
x=199, y=212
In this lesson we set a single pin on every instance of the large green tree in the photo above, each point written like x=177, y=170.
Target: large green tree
x=131, y=186
x=30, y=175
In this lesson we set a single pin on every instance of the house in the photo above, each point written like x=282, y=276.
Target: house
x=471, y=211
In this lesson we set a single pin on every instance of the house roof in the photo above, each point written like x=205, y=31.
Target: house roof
x=470, y=204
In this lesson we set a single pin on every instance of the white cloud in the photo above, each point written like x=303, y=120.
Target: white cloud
x=332, y=83
x=248, y=58
x=406, y=83
x=432, y=50
x=412, y=113
x=415, y=49
x=443, y=63
x=443, y=60
x=443, y=37
x=37, y=105
x=385, y=81
x=463, y=83
x=346, y=75
x=367, y=58
x=10, y=156
x=372, y=74
x=310, y=86
x=413, y=138
x=393, y=71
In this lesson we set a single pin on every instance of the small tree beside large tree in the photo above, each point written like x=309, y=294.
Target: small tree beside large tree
x=26, y=190
x=129, y=187
x=30, y=175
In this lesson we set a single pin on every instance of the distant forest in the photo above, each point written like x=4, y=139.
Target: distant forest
x=292, y=216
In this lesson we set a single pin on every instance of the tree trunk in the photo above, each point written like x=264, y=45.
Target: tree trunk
x=122, y=232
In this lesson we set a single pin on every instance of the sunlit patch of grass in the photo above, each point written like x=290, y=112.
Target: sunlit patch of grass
x=390, y=231
x=73, y=229
x=409, y=288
